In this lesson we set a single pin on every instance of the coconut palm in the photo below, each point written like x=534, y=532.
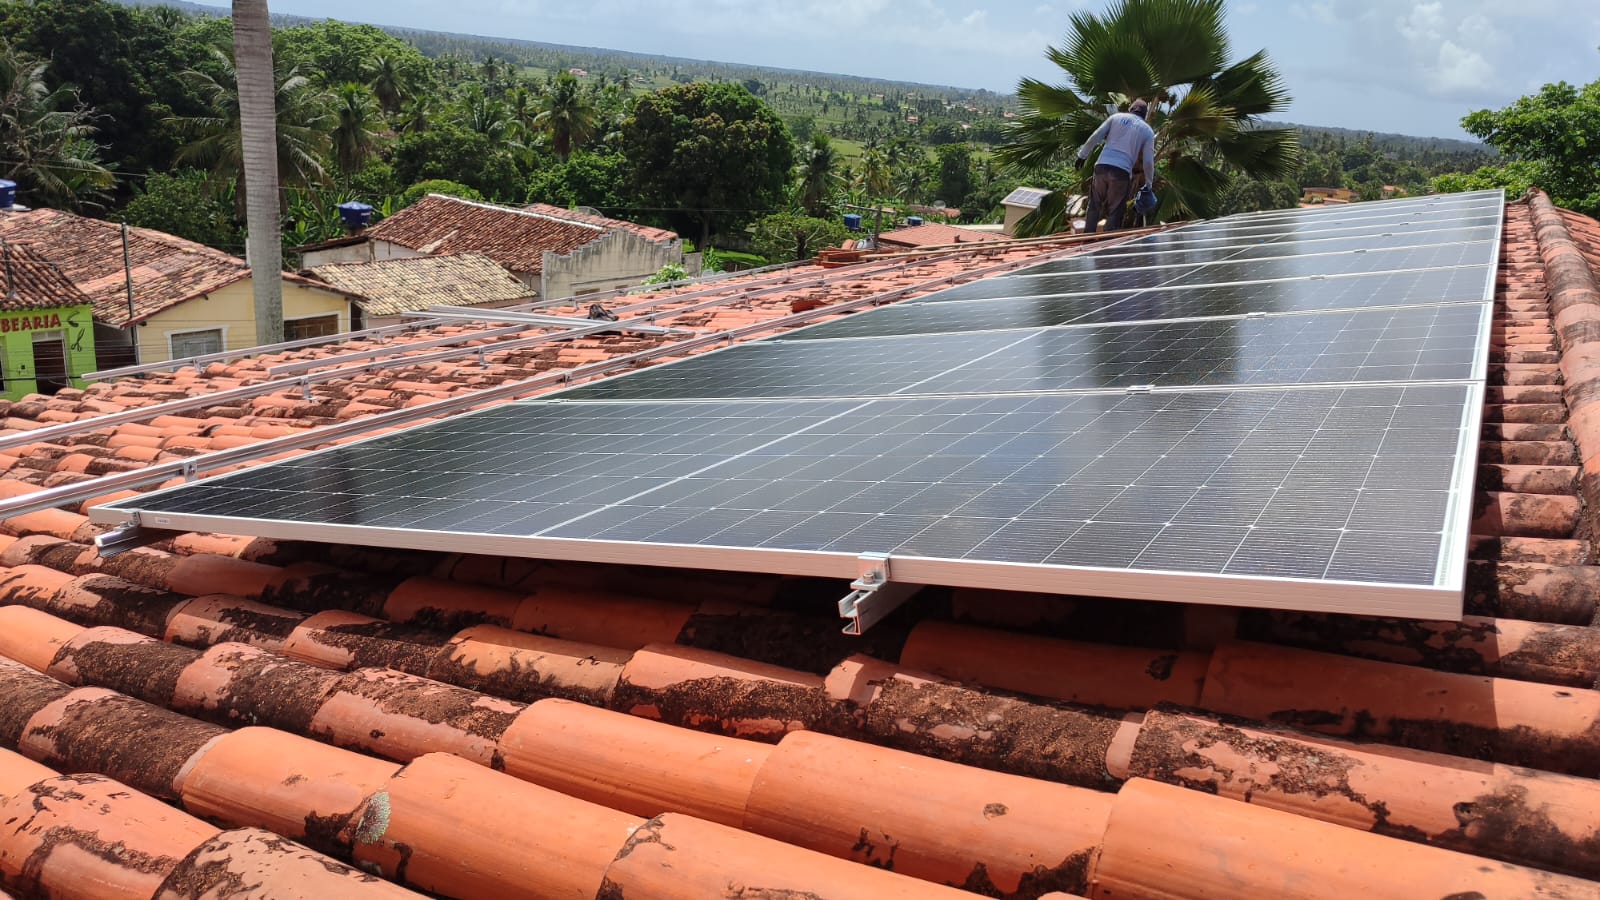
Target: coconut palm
x=1174, y=54
x=390, y=83
x=875, y=172
x=219, y=142
x=45, y=137
x=819, y=175
x=355, y=136
x=260, y=154
x=485, y=115
x=567, y=116
x=418, y=115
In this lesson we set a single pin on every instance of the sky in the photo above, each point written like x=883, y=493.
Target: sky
x=1406, y=66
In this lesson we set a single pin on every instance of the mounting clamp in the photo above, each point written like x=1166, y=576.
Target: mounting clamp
x=126, y=537
x=873, y=596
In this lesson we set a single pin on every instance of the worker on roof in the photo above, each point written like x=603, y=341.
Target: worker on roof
x=1129, y=141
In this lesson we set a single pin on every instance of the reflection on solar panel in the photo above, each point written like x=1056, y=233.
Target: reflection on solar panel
x=1463, y=284
x=1286, y=421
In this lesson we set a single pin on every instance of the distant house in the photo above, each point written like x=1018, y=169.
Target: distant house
x=933, y=234
x=387, y=289
x=168, y=298
x=557, y=252
x=1327, y=195
x=46, y=325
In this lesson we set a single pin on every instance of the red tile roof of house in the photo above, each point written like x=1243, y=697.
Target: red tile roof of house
x=936, y=234
x=685, y=732
x=390, y=287
x=514, y=238
x=30, y=281
x=649, y=233
x=165, y=270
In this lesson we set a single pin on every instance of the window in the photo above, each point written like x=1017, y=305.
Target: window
x=185, y=344
x=312, y=327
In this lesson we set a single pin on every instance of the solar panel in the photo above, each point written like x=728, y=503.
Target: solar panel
x=1289, y=420
x=1041, y=492
x=1423, y=343
x=1466, y=283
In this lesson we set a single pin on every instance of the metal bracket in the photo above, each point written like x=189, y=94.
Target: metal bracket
x=126, y=537
x=873, y=595
x=1139, y=388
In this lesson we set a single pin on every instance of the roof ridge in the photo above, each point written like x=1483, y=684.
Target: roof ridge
x=481, y=204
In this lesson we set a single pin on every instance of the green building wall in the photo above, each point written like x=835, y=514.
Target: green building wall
x=17, y=331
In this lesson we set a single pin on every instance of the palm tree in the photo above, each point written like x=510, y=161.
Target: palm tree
x=354, y=137
x=418, y=115
x=912, y=185
x=1174, y=54
x=219, y=142
x=522, y=105
x=256, y=95
x=484, y=115
x=819, y=175
x=875, y=172
x=567, y=116
x=45, y=136
x=390, y=83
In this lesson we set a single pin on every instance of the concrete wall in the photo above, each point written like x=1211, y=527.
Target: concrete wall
x=72, y=324
x=366, y=251
x=232, y=309
x=619, y=259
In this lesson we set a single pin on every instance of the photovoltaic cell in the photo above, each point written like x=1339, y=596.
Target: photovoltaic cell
x=1411, y=344
x=1211, y=483
x=1293, y=295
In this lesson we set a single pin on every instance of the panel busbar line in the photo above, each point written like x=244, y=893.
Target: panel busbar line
x=1109, y=494
x=1311, y=448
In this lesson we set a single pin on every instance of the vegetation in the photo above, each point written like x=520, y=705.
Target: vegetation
x=133, y=113
x=787, y=236
x=1549, y=139
x=1204, y=109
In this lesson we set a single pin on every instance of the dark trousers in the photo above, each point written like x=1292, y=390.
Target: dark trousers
x=1108, y=196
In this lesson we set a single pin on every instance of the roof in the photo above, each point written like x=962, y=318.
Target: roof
x=395, y=286
x=165, y=270
x=691, y=730
x=1026, y=197
x=514, y=238
x=29, y=281
x=658, y=235
x=935, y=234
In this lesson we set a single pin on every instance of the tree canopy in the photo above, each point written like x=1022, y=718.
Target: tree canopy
x=1175, y=55
x=1552, y=141
x=710, y=155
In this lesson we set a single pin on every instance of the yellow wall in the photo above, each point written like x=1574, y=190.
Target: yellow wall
x=232, y=309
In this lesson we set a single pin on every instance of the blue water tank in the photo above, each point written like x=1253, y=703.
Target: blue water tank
x=852, y=221
x=913, y=221
x=8, y=194
x=355, y=216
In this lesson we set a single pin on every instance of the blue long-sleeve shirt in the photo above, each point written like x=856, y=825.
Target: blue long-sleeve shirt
x=1127, y=138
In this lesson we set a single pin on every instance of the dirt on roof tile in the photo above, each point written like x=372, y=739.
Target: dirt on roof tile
x=513, y=238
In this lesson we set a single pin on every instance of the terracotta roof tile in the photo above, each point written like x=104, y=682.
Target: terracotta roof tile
x=935, y=234
x=165, y=270
x=395, y=286
x=515, y=239
x=681, y=670
x=658, y=235
x=28, y=280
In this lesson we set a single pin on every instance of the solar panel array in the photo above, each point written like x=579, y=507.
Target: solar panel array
x=1275, y=409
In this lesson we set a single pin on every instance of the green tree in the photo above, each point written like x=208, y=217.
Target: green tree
x=339, y=52
x=437, y=186
x=711, y=154
x=819, y=175
x=787, y=236
x=46, y=137
x=586, y=179
x=218, y=143
x=955, y=179
x=567, y=116
x=1174, y=54
x=453, y=152
x=357, y=119
x=180, y=204
x=1514, y=177
x=391, y=82
x=1554, y=135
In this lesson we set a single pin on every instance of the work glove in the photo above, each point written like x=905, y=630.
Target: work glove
x=1078, y=163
